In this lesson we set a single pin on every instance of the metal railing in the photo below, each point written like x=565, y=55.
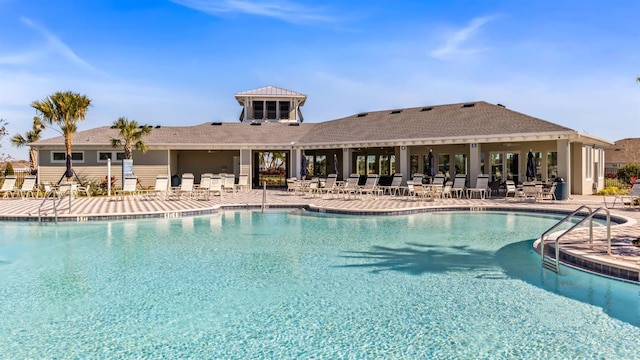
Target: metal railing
x=57, y=200
x=554, y=264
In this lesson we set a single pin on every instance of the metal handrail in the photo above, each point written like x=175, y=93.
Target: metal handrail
x=565, y=219
x=53, y=197
x=589, y=218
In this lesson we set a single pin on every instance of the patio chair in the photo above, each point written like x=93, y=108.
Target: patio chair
x=439, y=179
x=243, y=183
x=481, y=188
x=27, y=189
x=459, y=185
x=529, y=190
x=394, y=187
x=350, y=187
x=186, y=187
x=370, y=188
x=159, y=190
x=228, y=182
x=549, y=193
x=215, y=186
x=202, y=189
x=632, y=199
x=8, y=186
x=417, y=178
x=130, y=187
x=330, y=185
x=446, y=190
x=510, y=188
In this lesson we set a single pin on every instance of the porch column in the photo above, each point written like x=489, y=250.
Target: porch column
x=346, y=163
x=474, y=162
x=564, y=163
x=404, y=167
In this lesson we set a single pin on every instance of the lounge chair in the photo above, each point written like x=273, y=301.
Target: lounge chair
x=330, y=185
x=27, y=189
x=243, y=183
x=350, y=187
x=438, y=180
x=202, y=190
x=418, y=191
x=130, y=187
x=394, y=187
x=459, y=185
x=632, y=199
x=228, y=182
x=417, y=178
x=481, y=188
x=186, y=187
x=159, y=190
x=215, y=186
x=8, y=186
x=370, y=188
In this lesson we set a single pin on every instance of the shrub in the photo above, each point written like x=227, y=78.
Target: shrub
x=629, y=171
x=8, y=170
x=613, y=190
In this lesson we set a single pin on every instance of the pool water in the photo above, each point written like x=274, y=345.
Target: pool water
x=285, y=285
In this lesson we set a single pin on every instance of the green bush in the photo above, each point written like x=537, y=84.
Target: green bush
x=629, y=171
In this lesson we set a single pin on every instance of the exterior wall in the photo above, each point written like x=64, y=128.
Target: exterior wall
x=146, y=166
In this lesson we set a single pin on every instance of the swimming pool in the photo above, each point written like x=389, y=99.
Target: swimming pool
x=304, y=285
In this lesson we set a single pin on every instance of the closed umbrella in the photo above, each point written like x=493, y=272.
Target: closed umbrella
x=69, y=171
x=303, y=171
x=432, y=167
x=335, y=164
x=531, y=166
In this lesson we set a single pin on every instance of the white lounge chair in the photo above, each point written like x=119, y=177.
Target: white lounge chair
x=510, y=188
x=632, y=199
x=370, y=188
x=8, y=186
x=549, y=193
x=394, y=187
x=481, y=188
x=350, y=187
x=330, y=185
x=215, y=186
x=459, y=185
x=28, y=188
x=243, y=183
x=130, y=187
x=186, y=187
x=160, y=189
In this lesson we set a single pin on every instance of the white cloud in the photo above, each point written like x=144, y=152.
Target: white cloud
x=56, y=46
x=454, y=46
x=281, y=10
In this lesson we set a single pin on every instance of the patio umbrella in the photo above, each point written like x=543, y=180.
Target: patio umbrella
x=432, y=168
x=303, y=170
x=335, y=164
x=68, y=172
x=531, y=166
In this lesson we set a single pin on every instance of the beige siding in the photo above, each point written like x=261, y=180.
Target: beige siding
x=145, y=173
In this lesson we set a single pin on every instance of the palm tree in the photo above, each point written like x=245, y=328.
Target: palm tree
x=33, y=135
x=64, y=109
x=131, y=134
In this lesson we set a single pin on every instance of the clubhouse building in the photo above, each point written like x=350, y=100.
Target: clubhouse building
x=271, y=137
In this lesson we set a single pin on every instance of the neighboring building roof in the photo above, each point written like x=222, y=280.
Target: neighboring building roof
x=623, y=151
x=454, y=123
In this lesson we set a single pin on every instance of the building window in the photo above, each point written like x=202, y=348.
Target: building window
x=371, y=165
x=460, y=162
x=258, y=110
x=115, y=156
x=552, y=165
x=588, y=159
x=443, y=164
x=497, y=160
x=361, y=164
x=284, y=109
x=61, y=156
x=513, y=167
x=271, y=110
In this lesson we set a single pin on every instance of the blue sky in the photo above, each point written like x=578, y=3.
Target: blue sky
x=179, y=62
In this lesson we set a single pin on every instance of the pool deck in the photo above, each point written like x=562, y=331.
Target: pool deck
x=623, y=263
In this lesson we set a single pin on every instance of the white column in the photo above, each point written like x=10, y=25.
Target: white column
x=564, y=162
x=405, y=167
x=474, y=162
x=346, y=163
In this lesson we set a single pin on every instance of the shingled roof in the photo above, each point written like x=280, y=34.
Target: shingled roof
x=463, y=122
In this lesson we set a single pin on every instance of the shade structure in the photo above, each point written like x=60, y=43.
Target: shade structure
x=531, y=166
x=303, y=164
x=69, y=171
x=335, y=164
x=431, y=162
